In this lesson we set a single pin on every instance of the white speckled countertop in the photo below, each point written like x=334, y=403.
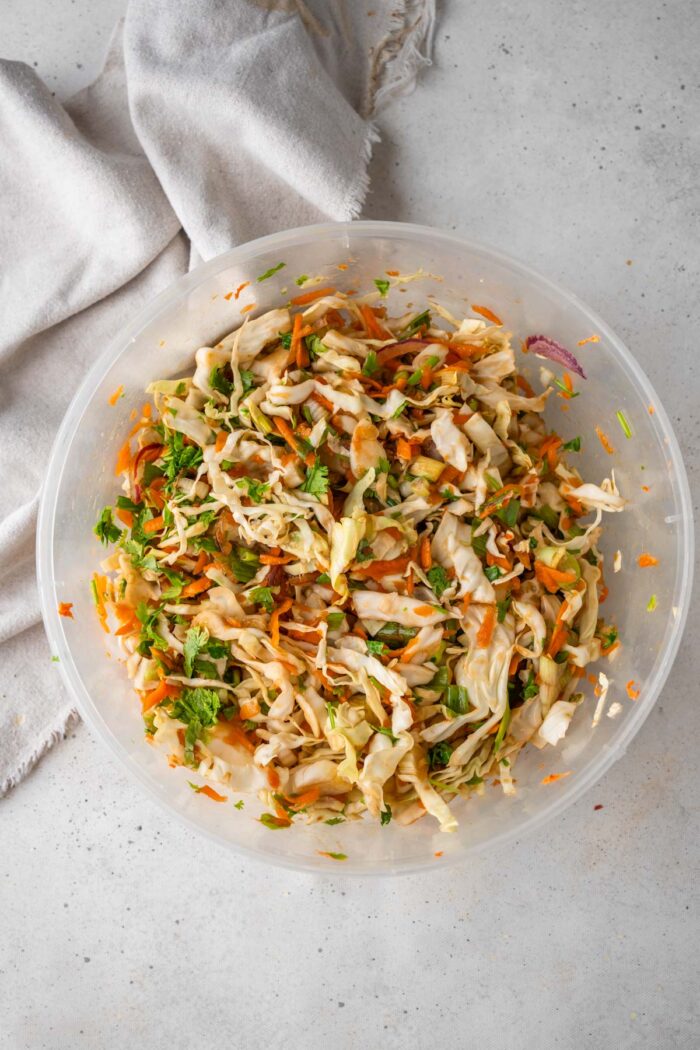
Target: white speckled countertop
x=567, y=135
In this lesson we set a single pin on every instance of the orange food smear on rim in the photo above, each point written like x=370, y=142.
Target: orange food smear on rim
x=645, y=561
x=488, y=314
x=590, y=339
x=553, y=777
x=113, y=398
x=240, y=289
x=66, y=609
x=645, y=488
x=439, y=853
x=228, y=296
x=632, y=690
x=248, y=308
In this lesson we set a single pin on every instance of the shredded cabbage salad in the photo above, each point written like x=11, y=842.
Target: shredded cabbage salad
x=353, y=571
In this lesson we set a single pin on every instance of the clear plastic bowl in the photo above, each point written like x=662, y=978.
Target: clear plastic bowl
x=194, y=311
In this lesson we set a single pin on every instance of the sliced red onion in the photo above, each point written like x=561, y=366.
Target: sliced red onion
x=543, y=346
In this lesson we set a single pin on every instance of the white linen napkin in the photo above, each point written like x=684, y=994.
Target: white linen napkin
x=213, y=122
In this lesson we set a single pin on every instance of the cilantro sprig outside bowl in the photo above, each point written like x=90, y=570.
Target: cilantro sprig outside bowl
x=647, y=602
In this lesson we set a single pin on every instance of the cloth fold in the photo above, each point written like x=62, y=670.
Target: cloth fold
x=213, y=122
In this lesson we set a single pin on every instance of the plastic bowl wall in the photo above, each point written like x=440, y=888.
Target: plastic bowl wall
x=160, y=342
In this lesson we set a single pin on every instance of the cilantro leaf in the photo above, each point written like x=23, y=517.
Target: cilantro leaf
x=105, y=529
x=531, y=687
x=198, y=709
x=382, y=284
x=316, y=481
x=302, y=279
x=335, y=820
x=572, y=446
x=219, y=382
x=263, y=596
x=439, y=755
x=257, y=491
x=375, y=648
x=195, y=640
x=503, y=607
x=244, y=563
x=179, y=457
x=286, y=340
x=439, y=579
x=385, y=816
x=247, y=379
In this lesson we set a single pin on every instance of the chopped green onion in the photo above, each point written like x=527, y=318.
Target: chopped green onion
x=622, y=420
x=651, y=604
x=382, y=285
x=270, y=272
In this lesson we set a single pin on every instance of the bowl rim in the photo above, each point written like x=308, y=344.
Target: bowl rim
x=571, y=790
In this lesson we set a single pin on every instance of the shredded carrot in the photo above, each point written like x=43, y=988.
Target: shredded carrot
x=426, y=378
x=645, y=488
x=410, y=582
x=424, y=610
x=514, y=662
x=282, y=608
x=552, y=579
x=488, y=314
x=273, y=777
x=485, y=632
x=248, y=308
x=123, y=459
x=154, y=525
x=651, y=410
x=220, y=440
x=196, y=587
x=378, y=569
x=632, y=691
x=161, y=692
x=125, y=516
x=557, y=640
x=235, y=735
x=288, y=435
x=228, y=296
x=645, y=561
x=553, y=777
x=297, y=350
x=604, y=440
x=210, y=793
x=240, y=289
x=522, y=384
x=323, y=401
x=306, y=798
x=200, y=564
x=438, y=853
x=113, y=398
x=589, y=339
x=426, y=555
x=309, y=297
x=494, y=559
x=374, y=329
x=66, y=609
x=466, y=602
x=549, y=448
x=276, y=559
x=405, y=449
